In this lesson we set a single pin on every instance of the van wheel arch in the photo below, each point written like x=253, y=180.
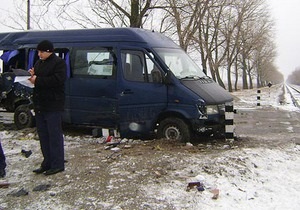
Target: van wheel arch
x=174, y=128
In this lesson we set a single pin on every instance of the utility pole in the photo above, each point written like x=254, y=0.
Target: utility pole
x=28, y=14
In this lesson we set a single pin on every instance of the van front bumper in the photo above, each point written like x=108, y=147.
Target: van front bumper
x=213, y=123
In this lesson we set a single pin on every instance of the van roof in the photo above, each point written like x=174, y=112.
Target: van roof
x=68, y=38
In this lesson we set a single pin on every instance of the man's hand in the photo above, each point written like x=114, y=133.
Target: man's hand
x=31, y=71
x=32, y=79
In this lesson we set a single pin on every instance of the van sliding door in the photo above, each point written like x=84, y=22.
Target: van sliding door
x=91, y=97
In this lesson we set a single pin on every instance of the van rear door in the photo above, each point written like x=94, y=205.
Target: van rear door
x=141, y=92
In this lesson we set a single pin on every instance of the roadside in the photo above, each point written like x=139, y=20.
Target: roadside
x=259, y=170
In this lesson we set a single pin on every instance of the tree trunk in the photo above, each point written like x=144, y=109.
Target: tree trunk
x=219, y=79
x=245, y=83
x=135, y=14
x=250, y=80
x=236, y=75
x=258, y=81
x=229, y=78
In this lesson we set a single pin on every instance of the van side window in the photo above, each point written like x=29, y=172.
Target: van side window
x=13, y=59
x=64, y=54
x=80, y=66
x=138, y=67
x=155, y=74
x=100, y=63
x=60, y=52
x=133, y=66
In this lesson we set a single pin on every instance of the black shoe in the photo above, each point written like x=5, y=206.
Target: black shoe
x=2, y=173
x=39, y=170
x=53, y=171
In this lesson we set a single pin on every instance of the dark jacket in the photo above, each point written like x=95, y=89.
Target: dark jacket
x=49, y=88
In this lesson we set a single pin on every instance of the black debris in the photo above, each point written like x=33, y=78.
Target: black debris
x=26, y=153
x=19, y=193
x=42, y=187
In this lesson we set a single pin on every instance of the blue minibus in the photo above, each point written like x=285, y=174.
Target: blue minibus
x=135, y=81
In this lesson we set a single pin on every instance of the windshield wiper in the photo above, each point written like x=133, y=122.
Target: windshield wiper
x=205, y=77
x=190, y=77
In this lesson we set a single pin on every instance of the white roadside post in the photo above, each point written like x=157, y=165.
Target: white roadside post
x=229, y=122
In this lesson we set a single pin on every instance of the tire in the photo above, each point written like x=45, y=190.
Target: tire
x=175, y=129
x=23, y=117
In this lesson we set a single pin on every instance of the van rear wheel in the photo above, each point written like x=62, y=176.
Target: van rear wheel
x=23, y=117
x=175, y=129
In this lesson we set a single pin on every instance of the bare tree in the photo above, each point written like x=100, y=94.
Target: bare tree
x=113, y=13
x=44, y=14
x=185, y=15
x=210, y=40
x=223, y=33
x=256, y=42
x=294, y=77
x=234, y=15
x=229, y=32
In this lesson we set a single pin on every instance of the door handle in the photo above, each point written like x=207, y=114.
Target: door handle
x=126, y=92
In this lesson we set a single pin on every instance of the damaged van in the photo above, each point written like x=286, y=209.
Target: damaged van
x=134, y=81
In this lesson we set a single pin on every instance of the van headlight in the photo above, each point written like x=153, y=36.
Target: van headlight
x=212, y=109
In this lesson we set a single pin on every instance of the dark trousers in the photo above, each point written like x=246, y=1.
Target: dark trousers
x=49, y=128
x=2, y=158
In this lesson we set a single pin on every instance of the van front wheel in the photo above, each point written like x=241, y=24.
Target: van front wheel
x=174, y=128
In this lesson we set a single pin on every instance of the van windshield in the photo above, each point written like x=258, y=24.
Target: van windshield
x=180, y=63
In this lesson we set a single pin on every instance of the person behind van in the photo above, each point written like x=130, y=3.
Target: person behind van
x=2, y=162
x=48, y=76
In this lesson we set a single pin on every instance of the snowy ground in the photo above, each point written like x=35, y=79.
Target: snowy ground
x=260, y=170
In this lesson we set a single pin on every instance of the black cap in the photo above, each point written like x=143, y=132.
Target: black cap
x=46, y=46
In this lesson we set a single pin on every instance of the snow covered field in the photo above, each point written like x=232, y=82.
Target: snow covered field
x=260, y=170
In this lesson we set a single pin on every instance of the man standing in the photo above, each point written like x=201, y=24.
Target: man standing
x=48, y=77
x=2, y=162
